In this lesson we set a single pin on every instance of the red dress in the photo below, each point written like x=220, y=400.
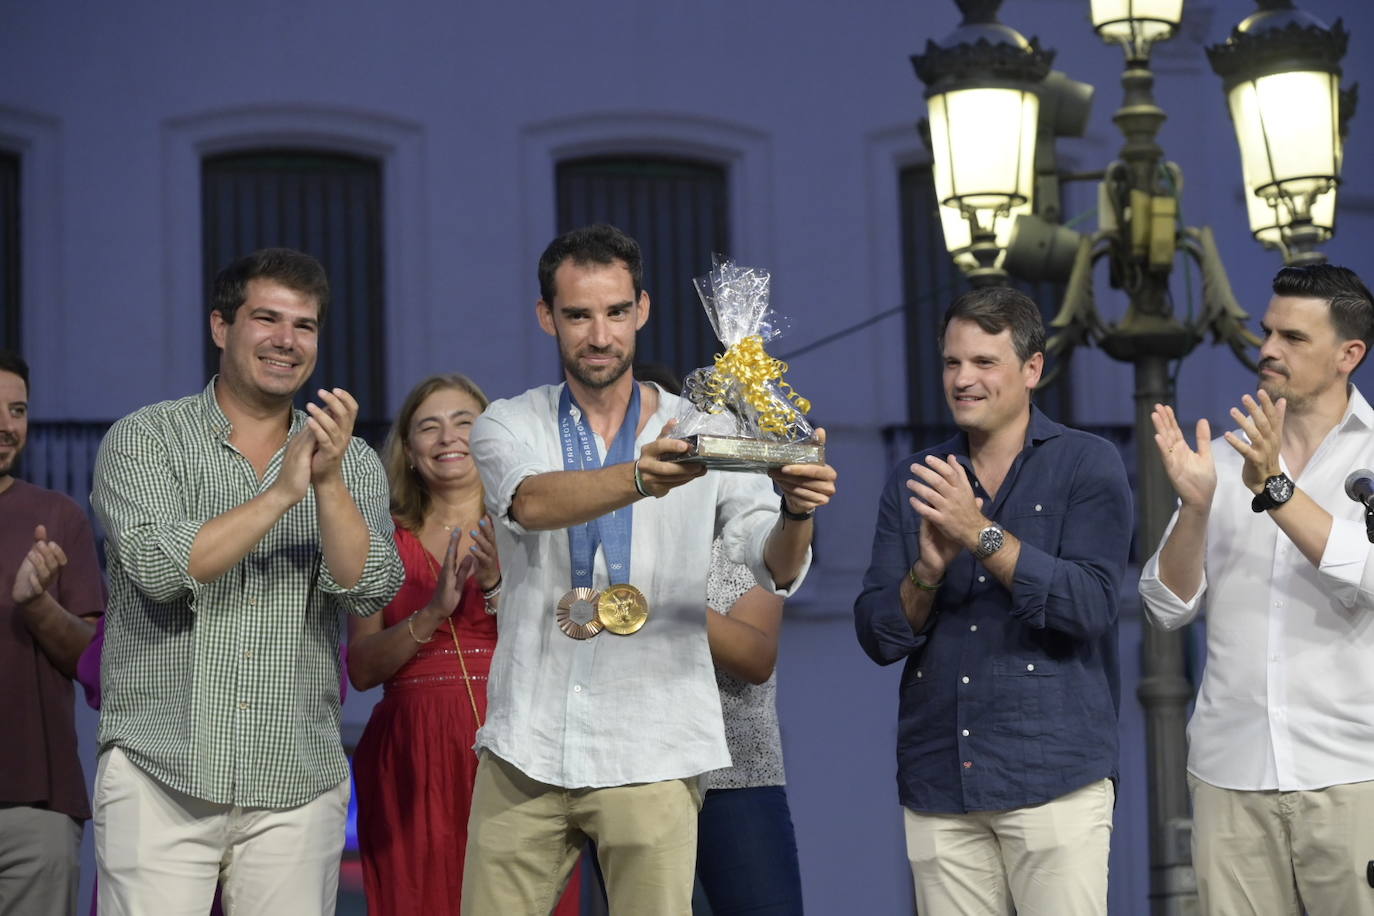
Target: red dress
x=414, y=767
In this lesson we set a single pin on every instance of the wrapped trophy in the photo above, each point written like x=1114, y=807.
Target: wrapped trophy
x=740, y=414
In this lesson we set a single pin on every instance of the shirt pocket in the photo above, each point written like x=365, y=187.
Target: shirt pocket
x=1028, y=703
x=915, y=677
x=1038, y=524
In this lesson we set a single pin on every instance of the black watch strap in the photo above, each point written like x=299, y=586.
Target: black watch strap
x=794, y=516
x=1276, y=491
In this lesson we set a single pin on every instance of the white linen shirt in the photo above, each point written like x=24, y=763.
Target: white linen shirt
x=1285, y=701
x=611, y=710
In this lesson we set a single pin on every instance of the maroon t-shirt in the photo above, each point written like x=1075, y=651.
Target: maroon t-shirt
x=38, y=762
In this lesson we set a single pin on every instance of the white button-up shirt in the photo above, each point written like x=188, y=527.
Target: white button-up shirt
x=1287, y=697
x=611, y=710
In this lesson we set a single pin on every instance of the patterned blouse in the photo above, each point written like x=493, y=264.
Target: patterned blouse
x=750, y=710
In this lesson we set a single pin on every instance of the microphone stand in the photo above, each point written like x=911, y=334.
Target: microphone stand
x=1369, y=533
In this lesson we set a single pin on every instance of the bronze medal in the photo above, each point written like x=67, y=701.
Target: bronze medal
x=568, y=604
x=622, y=609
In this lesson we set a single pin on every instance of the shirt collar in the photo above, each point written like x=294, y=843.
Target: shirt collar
x=1040, y=429
x=217, y=422
x=1357, y=410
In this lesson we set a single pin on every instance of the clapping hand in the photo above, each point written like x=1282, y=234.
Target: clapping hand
x=38, y=568
x=332, y=426
x=1193, y=474
x=943, y=497
x=1263, y=426
x=452, y=575
x=488, y=565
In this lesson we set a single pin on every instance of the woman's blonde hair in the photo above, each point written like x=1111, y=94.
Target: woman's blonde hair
x=409, y=497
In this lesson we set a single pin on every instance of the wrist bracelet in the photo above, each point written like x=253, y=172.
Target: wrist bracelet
x=794, y=516
x=639, y=482
x=916, y=581
x=494, y=590
x=410, y=628
x=489, y=607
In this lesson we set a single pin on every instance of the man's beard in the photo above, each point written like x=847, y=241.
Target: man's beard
x=603, y=378
x=1282, y=387
x=7, y=465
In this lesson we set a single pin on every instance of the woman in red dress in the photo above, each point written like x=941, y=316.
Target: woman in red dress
x=431, y=648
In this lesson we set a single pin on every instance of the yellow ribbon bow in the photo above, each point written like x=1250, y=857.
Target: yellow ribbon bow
x=747, y=364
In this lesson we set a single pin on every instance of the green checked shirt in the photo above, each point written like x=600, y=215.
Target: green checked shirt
x=226, y=691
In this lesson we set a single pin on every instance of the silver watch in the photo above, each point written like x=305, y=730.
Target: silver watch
x=990, y=540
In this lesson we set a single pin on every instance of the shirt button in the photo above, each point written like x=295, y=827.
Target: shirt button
x=964, y=679
x=243, y=705
x=982, y=578
x=1037, y=507
x=577, y=688
x=1278, y=604
x=253, y=601
x=973, y=628
x=1030, y=667
x=968, y=764
x=965, y=733
x=248, y=653
x=920, y=674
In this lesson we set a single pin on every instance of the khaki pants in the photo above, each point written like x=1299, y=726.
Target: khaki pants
x=524, y=838
x=1046, y=860
x=161, y=851
x=1282, y=852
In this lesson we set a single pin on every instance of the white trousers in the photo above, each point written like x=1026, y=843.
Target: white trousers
x=1045, y=860
x=160, y=852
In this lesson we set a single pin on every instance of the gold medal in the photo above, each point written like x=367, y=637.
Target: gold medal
x=568, y=604
x=622, y=609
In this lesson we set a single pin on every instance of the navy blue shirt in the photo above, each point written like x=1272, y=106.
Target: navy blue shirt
x=1009, y=698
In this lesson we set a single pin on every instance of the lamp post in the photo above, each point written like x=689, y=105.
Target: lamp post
x=1140, y=238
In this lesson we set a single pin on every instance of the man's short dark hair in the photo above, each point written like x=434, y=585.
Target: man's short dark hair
x=10, y=361
x=997, y=308
x=1352, y=307
x=295, y=270
x=596, y=244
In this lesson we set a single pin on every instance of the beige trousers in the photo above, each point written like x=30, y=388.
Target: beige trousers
x=524, y=838
x=1273, y=852
x=1045, y=860
x=159, y=851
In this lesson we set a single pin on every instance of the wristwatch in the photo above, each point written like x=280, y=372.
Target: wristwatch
x=990, y=540
x=1277, y=491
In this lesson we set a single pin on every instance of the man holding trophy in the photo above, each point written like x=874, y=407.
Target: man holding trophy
x=603, y=702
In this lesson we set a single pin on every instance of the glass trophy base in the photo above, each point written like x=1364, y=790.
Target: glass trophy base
x=736, y=453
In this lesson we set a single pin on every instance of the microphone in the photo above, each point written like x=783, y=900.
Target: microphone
x=1359, y=486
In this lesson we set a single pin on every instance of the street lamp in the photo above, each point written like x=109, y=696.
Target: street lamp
x=1136, y=24
x=1281, y=72
x=982, y=96
x=958, y=234
x=1271, y=223
x=1277, y=57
